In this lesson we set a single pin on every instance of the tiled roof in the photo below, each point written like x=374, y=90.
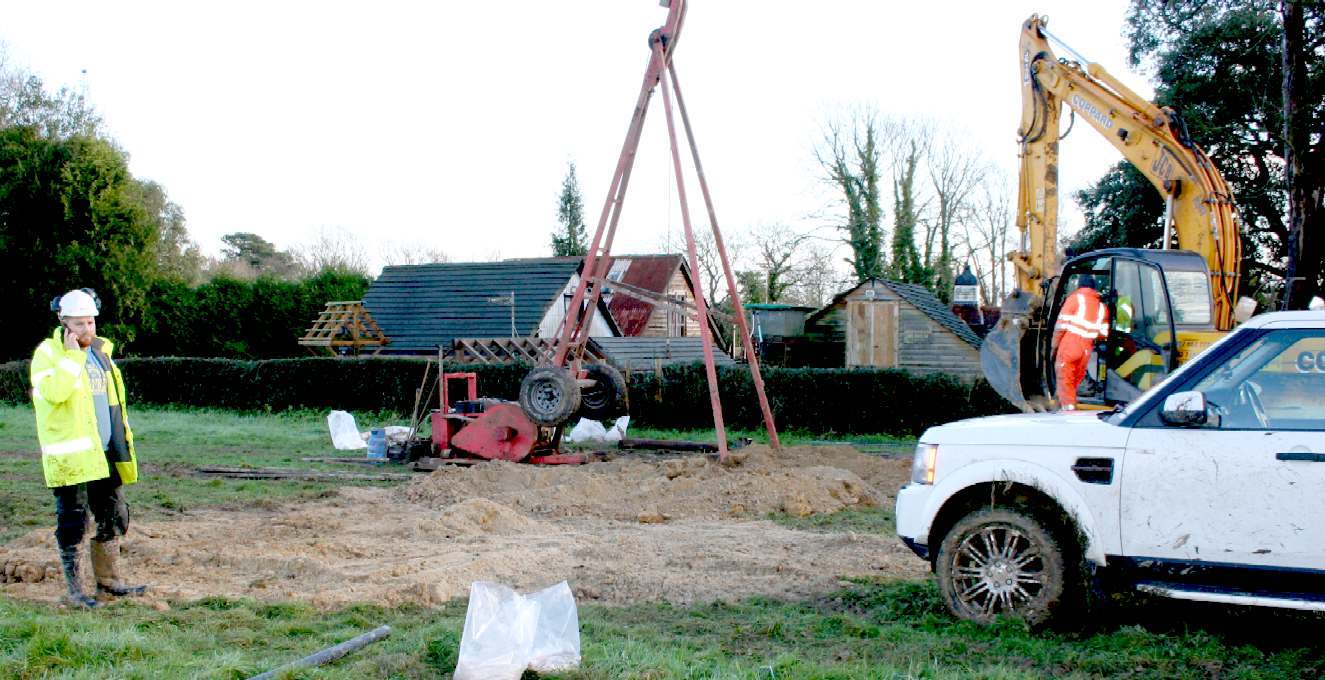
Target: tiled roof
x=650, y=272
x=934, y=308
x=420, y=307
x=642, y=354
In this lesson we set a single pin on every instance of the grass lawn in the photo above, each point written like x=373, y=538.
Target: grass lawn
x=868, y=629
x=170, y=444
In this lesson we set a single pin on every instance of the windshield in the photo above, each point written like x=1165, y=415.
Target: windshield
x=1190, y=292
x=1143, y=402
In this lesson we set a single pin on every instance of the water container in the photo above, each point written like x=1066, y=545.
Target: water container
x=377, y=443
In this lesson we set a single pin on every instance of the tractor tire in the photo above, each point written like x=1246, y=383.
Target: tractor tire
x=549, y=396
x=607, y=398
x=1003, y=561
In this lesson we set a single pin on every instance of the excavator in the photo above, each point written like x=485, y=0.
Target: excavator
x=1166, y=303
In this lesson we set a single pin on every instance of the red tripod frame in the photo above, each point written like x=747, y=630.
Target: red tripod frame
x=574, y=334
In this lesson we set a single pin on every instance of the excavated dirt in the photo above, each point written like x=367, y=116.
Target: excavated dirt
x=680, y=530
x=756, y=482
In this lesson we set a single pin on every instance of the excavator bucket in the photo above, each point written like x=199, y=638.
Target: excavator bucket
x=1001, y=351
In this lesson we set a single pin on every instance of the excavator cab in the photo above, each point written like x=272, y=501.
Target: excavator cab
x=1159, y=311
x=1139, y=349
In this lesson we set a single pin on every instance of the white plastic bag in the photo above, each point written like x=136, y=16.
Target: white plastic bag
x=592, y=432
x=396, y=434
x=586, y=432
x=344, y=433
x=507, y=633
x=618, y=431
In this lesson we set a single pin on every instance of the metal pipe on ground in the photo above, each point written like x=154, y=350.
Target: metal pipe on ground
x=329, y=654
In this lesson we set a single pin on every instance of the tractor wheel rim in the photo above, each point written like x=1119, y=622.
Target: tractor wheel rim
x=546, y=395
x=997, y=570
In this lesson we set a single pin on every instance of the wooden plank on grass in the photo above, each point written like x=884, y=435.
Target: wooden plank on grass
x=299, y=475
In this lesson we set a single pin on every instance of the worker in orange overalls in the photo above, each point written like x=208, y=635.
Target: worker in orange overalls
x=1082, y=320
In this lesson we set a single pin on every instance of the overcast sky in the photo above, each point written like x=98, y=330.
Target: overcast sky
x=450, y=124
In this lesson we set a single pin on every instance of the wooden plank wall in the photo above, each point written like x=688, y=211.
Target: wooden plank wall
x=872, y=333
x=670, y=322
x=923, y=344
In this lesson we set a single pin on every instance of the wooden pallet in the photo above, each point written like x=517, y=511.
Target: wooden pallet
x=344, y=328
x=534, y=351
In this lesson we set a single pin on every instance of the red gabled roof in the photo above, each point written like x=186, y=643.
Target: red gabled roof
x=650, y=272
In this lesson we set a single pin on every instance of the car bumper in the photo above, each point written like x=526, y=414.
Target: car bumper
x=912, y=522
x=921, y=550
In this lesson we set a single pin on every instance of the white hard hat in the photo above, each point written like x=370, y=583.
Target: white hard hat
x=1316, y=304
x=78, y=303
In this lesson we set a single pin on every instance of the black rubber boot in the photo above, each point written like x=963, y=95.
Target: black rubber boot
x=75, y=597
x=105, y=567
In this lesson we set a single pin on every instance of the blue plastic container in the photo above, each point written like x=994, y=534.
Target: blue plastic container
x=377, y=443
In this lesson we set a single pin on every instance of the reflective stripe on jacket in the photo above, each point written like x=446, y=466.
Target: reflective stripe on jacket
x=1083, y=315
x=71, y=450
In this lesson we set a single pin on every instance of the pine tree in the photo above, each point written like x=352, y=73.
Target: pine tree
x=570, y=240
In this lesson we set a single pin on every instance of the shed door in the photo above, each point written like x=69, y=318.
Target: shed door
x=872, y=333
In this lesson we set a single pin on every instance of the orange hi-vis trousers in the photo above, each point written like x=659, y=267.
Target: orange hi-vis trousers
x=1070, y=367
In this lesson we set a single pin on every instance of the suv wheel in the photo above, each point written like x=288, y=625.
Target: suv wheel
x=1001, y=561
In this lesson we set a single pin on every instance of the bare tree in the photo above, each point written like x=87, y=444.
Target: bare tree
x=954, y=173
x=25, y=101
x=228, y=268
x=710, y=272
x=334, y=249
x=986, y=236
x=818, y=280
x=412, y=252
x=779, y=258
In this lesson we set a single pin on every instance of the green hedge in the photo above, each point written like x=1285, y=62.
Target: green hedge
x=261, y=319
x=351, y=383
x=818, y=400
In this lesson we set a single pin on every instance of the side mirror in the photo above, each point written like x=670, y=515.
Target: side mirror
x=1184, y=409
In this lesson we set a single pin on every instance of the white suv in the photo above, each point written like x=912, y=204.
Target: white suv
x=1210, y=486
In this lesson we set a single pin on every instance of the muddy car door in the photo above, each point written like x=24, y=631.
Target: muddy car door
x=1247, y=486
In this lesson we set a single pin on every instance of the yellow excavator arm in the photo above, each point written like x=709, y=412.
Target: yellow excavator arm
x=1199, y=212
x=1198, y=205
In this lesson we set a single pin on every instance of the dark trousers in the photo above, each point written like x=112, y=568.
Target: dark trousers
x=104, y=498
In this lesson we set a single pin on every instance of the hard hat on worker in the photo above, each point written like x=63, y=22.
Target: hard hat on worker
x=81, y=302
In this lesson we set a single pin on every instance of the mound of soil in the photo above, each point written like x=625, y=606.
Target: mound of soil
x=799, y=481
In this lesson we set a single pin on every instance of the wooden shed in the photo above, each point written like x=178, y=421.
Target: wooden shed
x=890, y=324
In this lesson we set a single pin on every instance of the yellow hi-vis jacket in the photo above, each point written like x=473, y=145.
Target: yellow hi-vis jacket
x=71, y=450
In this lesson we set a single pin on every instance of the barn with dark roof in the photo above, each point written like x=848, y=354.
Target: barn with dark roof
x=422, y=307
x=890, y=324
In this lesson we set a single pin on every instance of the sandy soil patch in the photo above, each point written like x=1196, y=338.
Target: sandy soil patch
x=681, y=530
